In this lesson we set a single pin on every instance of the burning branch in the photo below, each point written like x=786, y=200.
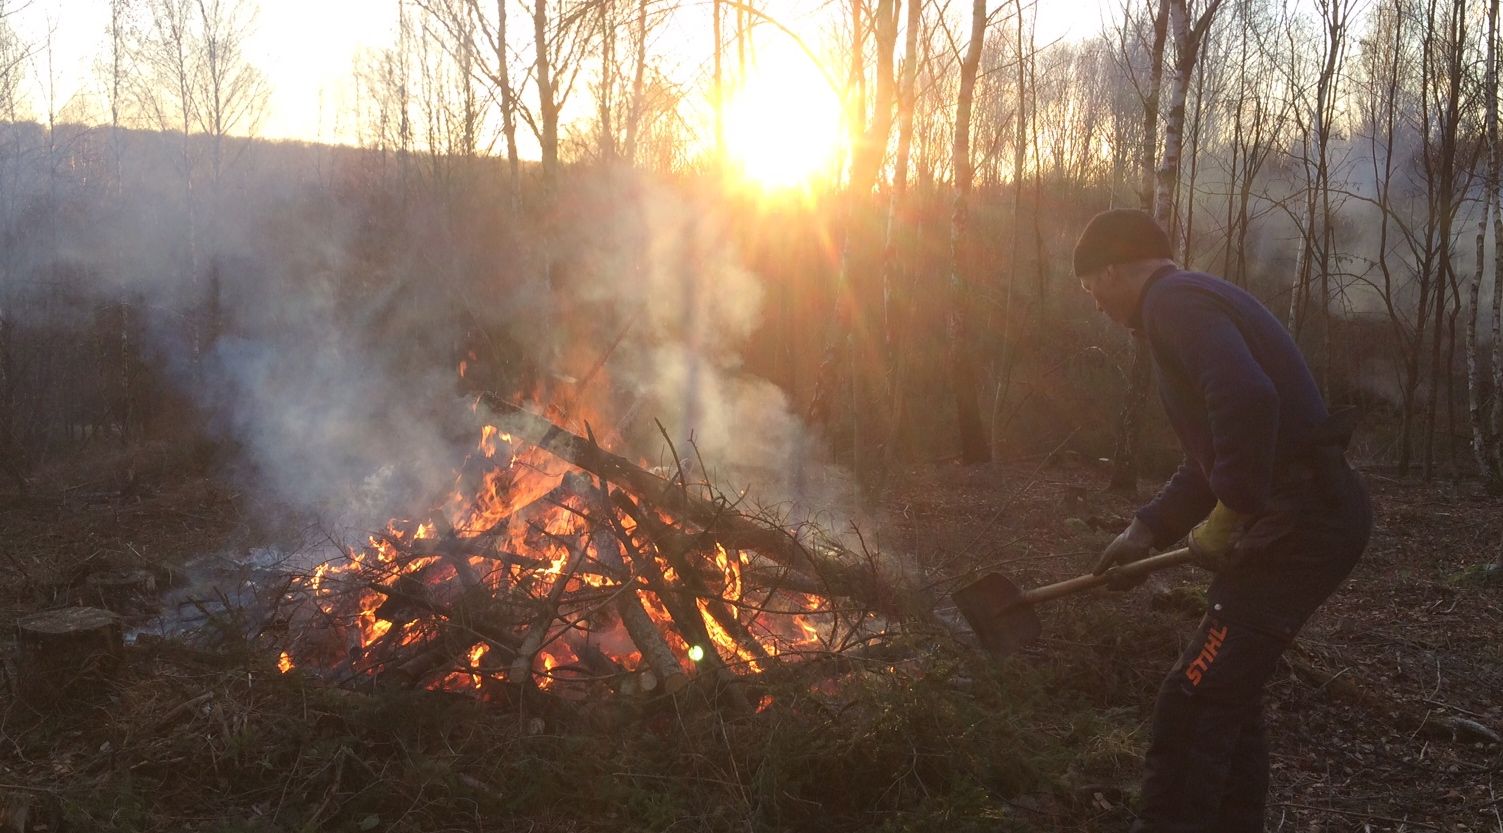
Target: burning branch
x=839, y=570
x=545, y=578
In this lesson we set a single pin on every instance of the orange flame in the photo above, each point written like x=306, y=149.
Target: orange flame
x=529, y=544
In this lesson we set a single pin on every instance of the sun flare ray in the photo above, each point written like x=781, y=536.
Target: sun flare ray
x=782, y=122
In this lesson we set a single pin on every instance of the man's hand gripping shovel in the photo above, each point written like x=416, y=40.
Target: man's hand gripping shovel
x=1002, y=615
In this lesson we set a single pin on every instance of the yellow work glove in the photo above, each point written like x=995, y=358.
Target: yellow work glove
x=1213, y=541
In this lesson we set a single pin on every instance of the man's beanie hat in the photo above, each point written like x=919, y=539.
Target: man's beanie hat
x=1121, y=235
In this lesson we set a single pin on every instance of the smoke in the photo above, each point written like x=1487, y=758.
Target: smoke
x=313, y=305
x=661, y=267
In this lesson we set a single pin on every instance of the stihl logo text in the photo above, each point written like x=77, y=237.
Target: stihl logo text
x=1202, y=663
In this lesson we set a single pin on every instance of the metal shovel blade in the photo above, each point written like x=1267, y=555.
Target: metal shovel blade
x=991, y=607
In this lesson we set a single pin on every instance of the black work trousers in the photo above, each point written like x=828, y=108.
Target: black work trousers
x=1207, y=763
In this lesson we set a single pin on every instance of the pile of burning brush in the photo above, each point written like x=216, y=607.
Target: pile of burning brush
x=566, y=569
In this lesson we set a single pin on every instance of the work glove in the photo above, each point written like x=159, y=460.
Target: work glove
x=1213, y=544
x=1133, y=544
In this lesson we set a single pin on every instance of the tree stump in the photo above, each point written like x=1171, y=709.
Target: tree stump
x=122, y=591
x=25, y=811
x=66, y=654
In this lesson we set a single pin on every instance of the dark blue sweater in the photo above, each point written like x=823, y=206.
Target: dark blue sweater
x=1237, y=391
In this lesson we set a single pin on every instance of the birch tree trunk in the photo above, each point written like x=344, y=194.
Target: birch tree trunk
x=1187, y=40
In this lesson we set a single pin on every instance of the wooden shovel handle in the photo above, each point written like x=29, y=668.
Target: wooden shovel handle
x=1151, y=564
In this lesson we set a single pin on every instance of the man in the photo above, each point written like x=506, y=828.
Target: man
x=1264, y=494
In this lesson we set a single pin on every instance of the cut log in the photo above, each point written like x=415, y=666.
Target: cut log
x=675, y=547
x=644, y=633
x=655, y=651
x=686, y=617
x=67, y=654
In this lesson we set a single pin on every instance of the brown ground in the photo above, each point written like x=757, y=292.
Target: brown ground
x=1413, y=640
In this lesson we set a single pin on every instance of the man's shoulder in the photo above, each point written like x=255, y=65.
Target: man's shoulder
x=1183, y=288
x=1184, y=299
x=1185, y=278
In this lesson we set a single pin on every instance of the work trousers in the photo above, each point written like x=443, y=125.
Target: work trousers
x=1207, y=762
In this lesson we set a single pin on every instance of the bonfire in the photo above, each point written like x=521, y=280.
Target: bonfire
x=558, y=567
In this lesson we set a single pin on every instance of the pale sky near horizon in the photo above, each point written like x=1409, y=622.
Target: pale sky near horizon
x=308, y=50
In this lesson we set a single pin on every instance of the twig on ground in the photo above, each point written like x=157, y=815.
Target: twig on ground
x=1353, y=814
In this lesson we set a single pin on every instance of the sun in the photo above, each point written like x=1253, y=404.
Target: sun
x=782, y=124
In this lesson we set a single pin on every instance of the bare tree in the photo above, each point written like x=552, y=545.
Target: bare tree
x=638, y=81
x=1449, y=164
x=13, y=56
x=1188, y=36
x=1316, y=252
x=1125, y=452
x=231, y=91
x=1495, y=199
x=717, y=89
x=1483, y=444
x=548, y=102
x=896, y=303
x=974, y=447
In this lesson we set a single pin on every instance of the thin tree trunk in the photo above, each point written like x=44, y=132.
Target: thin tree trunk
x=638, y=83
x=547, y=102
x=718, y=83
x=852, y=353
x=1481, y=442
x=1125, y=452
x=1495, y=199
x=508, y=107
x=1446, y=279
x=607, y=82
x=897, y=302
x=973, y=445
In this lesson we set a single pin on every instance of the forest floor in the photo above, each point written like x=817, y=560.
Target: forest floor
x=1363, y=719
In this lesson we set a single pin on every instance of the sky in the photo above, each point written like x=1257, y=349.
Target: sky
x=308, y=49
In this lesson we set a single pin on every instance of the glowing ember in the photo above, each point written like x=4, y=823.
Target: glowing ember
x=476, y=653
x=284, y=662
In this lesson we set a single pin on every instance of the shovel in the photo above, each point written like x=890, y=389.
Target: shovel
x=1001, y=613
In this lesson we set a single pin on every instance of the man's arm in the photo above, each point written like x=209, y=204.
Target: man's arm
x=1183, y=502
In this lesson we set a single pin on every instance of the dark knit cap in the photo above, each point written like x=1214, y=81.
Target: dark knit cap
x=1121, y=235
